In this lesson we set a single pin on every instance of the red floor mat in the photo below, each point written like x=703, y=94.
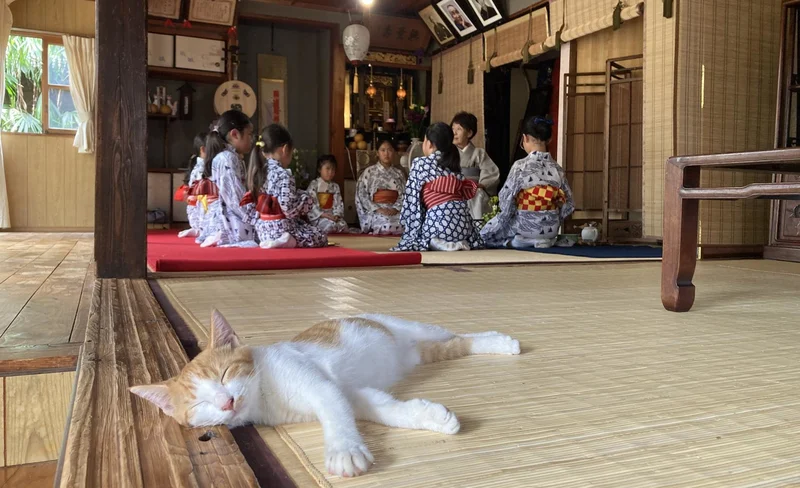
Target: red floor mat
x=168, y=253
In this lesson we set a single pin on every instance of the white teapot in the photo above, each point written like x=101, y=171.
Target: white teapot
x=590, y=233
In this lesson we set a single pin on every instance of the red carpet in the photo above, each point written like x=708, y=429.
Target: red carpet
x=168, y=253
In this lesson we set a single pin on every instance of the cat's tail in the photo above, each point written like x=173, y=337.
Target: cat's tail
x=465, y=345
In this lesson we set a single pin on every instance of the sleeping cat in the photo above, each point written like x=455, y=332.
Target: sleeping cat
x=335, y=372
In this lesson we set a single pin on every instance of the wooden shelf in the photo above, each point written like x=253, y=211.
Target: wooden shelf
x=178, y=74
x=168, y=118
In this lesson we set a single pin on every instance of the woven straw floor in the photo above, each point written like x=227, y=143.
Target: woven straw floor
x=486, y=256
x=610, y=389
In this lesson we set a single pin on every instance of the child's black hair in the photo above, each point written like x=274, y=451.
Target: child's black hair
x=441, y=135
x=272, y=138
x=198, y=144
x=217, y=139
x=540, y=128
x=325, y=159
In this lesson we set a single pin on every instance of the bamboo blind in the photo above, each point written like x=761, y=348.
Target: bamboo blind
x=508, y=40
x=457, y=95
x=727, y=74
x=659, y=98
x=583, y=17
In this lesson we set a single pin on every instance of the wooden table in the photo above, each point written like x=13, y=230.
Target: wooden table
x=682, y=194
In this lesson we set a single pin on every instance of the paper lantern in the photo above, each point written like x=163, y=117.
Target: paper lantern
x=356, y=42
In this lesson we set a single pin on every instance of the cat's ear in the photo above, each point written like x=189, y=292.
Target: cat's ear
x=157, y=394
x=222, y=334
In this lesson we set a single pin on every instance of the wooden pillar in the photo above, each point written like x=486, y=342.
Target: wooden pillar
x=338, y=72
x=120, y=246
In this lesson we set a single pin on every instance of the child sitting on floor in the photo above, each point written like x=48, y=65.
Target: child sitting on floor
x=273, y=204
x=184, y=194
x=536, y=197
x=327, y=215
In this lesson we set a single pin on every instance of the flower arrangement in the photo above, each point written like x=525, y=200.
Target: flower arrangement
x=415, y=118
x=495, y=203
x=298, y=166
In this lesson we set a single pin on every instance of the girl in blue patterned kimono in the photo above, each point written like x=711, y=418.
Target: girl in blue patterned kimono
x=193, y=175
x=436, y=214
x=223, y=181
x=273, y=204
x=536, y=197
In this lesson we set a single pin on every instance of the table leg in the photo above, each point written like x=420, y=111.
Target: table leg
x=680, y=239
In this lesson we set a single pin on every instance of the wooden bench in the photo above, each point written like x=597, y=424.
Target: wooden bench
x=682, y=194
x=115, y=439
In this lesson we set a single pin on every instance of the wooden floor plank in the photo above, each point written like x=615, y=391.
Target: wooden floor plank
x=36, y=411
x=82, y=316
x=38, y=359
x=17, y=290
x=39, y=475
x=2, y=423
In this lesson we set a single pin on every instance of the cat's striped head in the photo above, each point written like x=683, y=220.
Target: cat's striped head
x=212, y=389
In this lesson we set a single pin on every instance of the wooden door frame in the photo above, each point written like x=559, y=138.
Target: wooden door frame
x=336, y=145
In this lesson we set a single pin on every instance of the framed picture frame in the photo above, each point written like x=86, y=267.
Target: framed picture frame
x=486, y=11
x=167, y=9
x=437, y=26
x=272, y=102
x=221, y=12
x=458, y=19
x=160, y=50
x=200, y=54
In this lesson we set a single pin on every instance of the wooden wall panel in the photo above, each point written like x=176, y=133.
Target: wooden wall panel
x=62, y=16
x=50, y=185
x=36, y=416
x=659, y=105
x=727, y=76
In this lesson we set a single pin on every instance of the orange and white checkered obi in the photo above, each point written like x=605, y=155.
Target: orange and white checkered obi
x=541, y=198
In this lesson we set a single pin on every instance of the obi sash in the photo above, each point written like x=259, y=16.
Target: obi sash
x=385, y=196
x=325, y=200
x=268, y=207
x=447, y=189
x=473, y=174
x=203, y=191
x=540, y=198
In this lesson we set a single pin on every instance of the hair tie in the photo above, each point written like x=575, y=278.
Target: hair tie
x=260, y=142
x=542, y=120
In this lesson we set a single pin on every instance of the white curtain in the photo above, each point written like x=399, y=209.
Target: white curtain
x=5, y=30
x=82, y=87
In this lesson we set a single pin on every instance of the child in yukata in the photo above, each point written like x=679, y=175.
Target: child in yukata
x=222, y=186
x=327, y=214
x=435, y=213
x=273, y=204
x=476, y=165
x=184, y=193
x=536, y=197
x=379, y=194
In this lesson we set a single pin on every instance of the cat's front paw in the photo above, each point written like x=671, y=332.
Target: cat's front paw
x=348, y=459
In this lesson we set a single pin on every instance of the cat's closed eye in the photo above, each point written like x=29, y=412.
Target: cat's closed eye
x=222, y=380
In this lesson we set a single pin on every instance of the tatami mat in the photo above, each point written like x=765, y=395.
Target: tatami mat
x=610, y=390
x=485, y=256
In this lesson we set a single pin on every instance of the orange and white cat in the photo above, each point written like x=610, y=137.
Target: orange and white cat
x=335, y=372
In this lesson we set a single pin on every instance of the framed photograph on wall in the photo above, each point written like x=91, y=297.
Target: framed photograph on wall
x=272, y=102
x=486, y=11
x=160, y=50
x=167, y=9
x=222, y=12
x=456, y=17
x=438, y=28
x=200, y=54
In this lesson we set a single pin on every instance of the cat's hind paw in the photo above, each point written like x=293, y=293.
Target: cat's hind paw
x=436, y=417
x=496, y=344
x=348, y=459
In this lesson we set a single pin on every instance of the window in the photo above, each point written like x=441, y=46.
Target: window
x=37, y=98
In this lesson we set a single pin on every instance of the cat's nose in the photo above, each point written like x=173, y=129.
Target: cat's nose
x=228, y=405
